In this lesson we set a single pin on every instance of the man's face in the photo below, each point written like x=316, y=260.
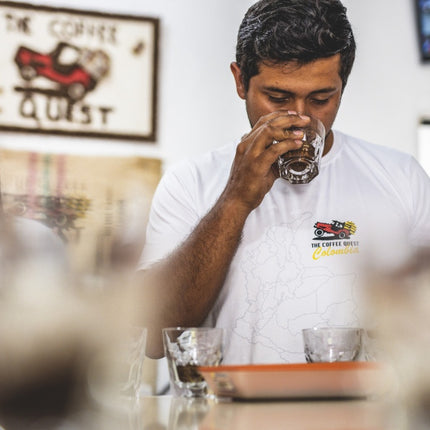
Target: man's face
x=314, y=89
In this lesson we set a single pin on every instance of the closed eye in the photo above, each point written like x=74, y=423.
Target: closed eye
x=320, y=102
x=279, y=99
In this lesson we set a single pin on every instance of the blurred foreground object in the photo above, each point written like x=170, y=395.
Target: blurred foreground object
x=52, y=329
x=399, y=305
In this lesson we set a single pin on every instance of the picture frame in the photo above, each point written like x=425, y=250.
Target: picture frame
x=422, y=13
x=78, y=72
x=423, y=143
x=95, y=219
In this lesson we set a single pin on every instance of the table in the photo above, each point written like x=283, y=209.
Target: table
x=173, y=413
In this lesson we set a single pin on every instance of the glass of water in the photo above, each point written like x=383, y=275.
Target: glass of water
x=301, y=165
x=185, y=350
x=329, y=344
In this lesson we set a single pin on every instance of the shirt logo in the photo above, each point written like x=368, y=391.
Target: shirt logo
x=334, y=230
x=334, y=239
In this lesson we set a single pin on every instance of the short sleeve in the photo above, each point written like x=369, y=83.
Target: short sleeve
x=173, y=214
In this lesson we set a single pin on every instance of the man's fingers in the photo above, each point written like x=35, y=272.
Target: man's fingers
x=278, y=148
x=268, y=134
x=284, y=119
x=276, y=126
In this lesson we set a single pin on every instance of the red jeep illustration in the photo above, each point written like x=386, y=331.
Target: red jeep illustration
x=76, y=70
x=337, y=229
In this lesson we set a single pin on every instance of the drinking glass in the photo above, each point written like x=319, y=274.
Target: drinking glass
x=186, y=349
x=300, y=166
x=328, y=344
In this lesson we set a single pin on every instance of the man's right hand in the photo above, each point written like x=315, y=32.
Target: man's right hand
x=252, y=173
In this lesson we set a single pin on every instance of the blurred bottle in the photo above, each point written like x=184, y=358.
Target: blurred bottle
x=398, y=304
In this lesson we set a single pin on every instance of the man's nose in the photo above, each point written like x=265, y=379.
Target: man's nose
x=299, y=106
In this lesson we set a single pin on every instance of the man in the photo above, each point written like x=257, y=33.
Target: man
x=230, y=244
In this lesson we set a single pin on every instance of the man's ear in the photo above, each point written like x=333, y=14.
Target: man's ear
x=240, y=87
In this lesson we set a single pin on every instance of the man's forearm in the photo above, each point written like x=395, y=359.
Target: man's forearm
x=181, y=289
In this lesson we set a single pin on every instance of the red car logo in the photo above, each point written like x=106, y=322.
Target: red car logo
x=337, y=229
x=75, y=70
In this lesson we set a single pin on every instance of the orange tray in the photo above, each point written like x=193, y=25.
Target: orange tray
x=301, y=380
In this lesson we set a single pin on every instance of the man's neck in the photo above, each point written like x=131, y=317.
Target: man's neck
x=328, y=142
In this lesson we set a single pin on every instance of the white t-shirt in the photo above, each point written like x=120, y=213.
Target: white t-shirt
x=285, y=275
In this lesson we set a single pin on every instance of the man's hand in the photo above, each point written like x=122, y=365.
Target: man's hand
x=252, y=174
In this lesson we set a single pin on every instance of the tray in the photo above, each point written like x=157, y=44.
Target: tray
x=301, y=380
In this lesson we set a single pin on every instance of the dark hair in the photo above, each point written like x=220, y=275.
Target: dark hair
x=281, y=31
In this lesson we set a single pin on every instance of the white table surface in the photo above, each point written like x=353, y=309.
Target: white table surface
x=173, y=413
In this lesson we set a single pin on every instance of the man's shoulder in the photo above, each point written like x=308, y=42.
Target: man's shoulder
x=214, y=161
x=356, y=146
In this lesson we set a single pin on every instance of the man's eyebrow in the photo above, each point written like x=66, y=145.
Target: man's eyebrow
x=277, y=90
x=325, y=90
x=318, y=91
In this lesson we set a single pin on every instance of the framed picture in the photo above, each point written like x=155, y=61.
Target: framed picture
x=423, y=150
x=422, y=9
x=79, y=73
x=96, y=219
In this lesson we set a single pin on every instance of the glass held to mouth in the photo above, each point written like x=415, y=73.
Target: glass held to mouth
x=301, y=165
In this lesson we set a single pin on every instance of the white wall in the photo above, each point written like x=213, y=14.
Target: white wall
x=198, y=108
x=389, y=88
